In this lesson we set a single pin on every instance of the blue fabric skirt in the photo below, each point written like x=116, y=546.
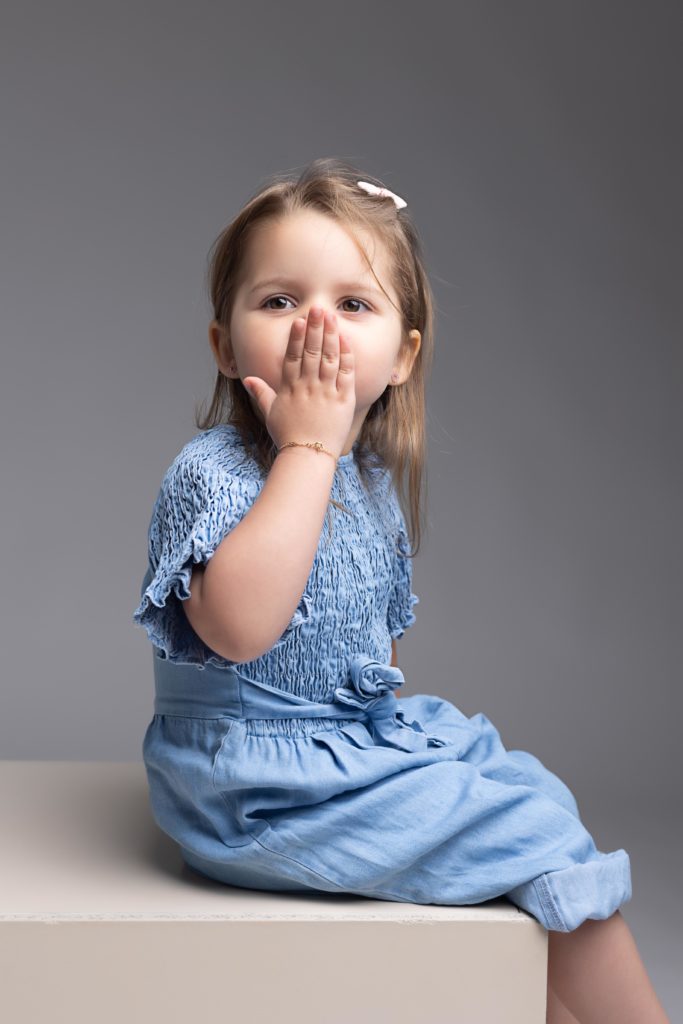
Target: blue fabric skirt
x=396, y=799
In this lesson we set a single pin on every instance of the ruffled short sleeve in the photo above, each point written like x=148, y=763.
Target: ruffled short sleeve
x=400, y=615
x=205, y=492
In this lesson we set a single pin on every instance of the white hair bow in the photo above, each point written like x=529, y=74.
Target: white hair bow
x=375, y=190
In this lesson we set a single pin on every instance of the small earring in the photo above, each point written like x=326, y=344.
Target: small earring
x=394, y=378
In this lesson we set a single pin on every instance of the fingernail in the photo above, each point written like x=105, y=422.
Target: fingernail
x=316, y=312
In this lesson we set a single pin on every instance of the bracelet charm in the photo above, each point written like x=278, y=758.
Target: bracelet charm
x=317, y=445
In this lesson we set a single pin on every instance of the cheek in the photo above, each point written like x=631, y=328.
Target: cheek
x=374, y=345
x=373, y=362
x=254, y=331
x=261, y=348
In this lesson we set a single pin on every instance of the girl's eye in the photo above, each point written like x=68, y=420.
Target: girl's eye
x=273, y=298
x=357, y=300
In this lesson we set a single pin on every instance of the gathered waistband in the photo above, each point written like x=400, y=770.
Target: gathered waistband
x=225, y=692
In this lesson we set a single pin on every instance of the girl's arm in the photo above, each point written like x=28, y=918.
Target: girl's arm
x=242, y=600
x=394, y=662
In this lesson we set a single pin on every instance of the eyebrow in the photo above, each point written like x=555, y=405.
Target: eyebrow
x=287, y=282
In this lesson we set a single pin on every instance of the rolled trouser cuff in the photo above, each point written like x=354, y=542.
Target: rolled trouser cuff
x=562, y=900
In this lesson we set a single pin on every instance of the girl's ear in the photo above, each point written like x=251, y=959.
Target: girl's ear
x=221, y=348
x=406, y=358
x=415, y=339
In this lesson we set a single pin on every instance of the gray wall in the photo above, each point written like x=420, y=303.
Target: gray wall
x=539, y=149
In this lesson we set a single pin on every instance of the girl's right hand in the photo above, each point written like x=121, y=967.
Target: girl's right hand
x=317, y=396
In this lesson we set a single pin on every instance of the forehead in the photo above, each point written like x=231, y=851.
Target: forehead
x=308, y=243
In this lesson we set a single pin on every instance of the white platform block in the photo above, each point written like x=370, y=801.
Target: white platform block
x=102, y=923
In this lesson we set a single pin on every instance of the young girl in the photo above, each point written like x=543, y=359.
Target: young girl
x=281, y=754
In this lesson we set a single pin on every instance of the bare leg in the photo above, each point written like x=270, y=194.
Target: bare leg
x=597, y=972
x=557, y=1012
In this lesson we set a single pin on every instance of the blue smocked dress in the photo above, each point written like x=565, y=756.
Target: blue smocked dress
x=301, y=770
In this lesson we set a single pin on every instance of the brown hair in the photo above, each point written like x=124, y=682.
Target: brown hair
x=393, y=433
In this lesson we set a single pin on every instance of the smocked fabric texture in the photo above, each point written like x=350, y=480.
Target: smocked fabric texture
x=358, y=595
x=302, y=770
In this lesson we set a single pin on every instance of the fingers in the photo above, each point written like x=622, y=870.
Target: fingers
x=345, y=382
x=313, y=343
x=316, y=351
x=291, y=366
x=329, y=360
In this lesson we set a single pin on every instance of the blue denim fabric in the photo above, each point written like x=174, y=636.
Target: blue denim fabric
x=397, y=799
x=301, y=770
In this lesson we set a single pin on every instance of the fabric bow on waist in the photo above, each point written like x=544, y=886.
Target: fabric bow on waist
x=371, y=688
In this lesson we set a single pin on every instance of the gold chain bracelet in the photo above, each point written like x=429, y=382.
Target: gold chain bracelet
x=308, y=444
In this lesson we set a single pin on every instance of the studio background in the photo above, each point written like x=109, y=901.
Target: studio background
x=538, y=146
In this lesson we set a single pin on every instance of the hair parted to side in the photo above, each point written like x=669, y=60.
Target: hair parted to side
x=393, y=433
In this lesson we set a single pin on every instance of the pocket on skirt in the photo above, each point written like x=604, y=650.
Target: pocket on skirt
x=231, y=734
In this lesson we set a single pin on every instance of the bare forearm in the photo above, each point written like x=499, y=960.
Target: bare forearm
x=394, y=661
x=252, y=585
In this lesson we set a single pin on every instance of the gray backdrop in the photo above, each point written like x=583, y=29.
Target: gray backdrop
x=539, y=148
